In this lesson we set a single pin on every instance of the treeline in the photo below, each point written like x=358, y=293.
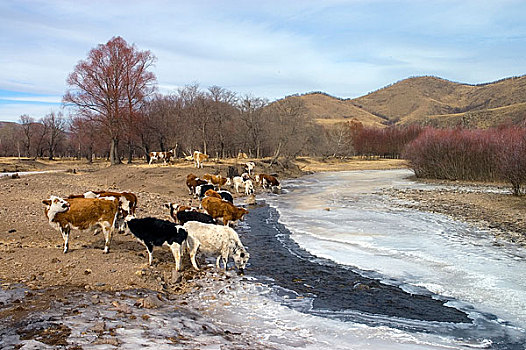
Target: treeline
x=215, y=121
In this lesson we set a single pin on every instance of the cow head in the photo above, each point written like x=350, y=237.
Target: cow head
x=240, y=256
x=241, y=212
x=55, y=205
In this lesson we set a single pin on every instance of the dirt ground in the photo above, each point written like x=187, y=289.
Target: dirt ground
x=31, y=250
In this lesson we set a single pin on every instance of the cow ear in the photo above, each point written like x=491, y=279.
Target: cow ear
x=46, y=202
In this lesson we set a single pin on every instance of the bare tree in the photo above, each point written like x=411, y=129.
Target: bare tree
x=27, y=128
x=339, y=139
x=251, y=113
x=56, y=127
x=290, y=129
x=110, y=86
x=223, y=112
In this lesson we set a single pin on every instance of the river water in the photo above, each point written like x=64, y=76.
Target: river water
x=342, y=220
x=334, y=264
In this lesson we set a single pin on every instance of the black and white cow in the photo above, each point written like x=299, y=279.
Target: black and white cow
x=155, y=232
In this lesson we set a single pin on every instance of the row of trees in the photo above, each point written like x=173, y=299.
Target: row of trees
x=462, y=154
x=117, y=113
x=45, y=137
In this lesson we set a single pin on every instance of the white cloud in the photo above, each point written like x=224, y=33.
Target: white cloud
x=13, y=111
x=270, y=48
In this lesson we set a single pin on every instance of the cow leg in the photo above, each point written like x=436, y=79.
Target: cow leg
x=149, y=248
x=108, y=234
x=176, y=251
x=65, y=235
x=193, y=245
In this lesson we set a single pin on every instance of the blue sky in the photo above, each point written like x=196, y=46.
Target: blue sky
x=267, y=49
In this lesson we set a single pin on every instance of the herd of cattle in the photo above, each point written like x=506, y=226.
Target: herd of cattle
x=193, y=229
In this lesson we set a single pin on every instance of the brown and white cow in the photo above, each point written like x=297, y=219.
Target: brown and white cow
x=216, y=180
x=127, y=204
x=267, y=181
x=82, y=214
x=218, y=208
x=164, y=156
x=199, y=158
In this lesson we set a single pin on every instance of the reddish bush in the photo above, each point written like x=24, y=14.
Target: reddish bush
x=387, y=143
x=511, y=157
x=460, y=154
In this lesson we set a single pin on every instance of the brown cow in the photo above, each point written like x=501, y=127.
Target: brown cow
x=216, y=180
x=267, y=181
x=127, y=204
x=218, y=208
x=212, y=193
x=82, y=214
x=199, y=158
x=193, y=181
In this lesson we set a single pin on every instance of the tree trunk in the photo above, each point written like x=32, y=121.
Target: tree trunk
x=89, y=156
x=114, y=152
x=130, y=152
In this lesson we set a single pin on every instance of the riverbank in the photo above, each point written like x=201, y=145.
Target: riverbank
x=34, y=268
x=488, y=206
x=37, y=275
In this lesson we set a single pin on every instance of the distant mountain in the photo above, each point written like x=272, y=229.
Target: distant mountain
x=327, y=110
x=428, y=101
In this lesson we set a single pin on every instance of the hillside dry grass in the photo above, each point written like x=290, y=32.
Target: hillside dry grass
x=429, y=101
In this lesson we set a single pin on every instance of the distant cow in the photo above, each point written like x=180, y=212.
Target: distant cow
x=242, y=155
x=216, y=180
x=199, y=158
x=220, y=241
x=218, y=208
x=82, y=214
x=267, y=181
x=164, y=156
x=250, y=166
x=246, y=184
x=193, y=181
x=155, y=232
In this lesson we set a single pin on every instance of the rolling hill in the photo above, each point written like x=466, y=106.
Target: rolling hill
x=429, y=101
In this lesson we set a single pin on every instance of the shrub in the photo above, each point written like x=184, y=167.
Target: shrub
x=387, y=143
x=453, y=154
x=511, y=157
x=460, y=154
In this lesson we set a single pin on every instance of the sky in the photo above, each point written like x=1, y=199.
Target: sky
x=268, y=49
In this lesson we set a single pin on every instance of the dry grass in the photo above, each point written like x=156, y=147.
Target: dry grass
x=425, y=99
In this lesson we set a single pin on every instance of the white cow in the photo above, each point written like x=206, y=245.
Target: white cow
x=250, y=166
x=215, y=240
x=239, y=182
